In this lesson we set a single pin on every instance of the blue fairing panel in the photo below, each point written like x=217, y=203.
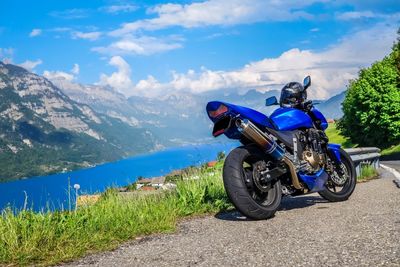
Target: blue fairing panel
x=246, y=113
x=315, y=182
x=319, y=116
x=288, y=119
x=335, y=149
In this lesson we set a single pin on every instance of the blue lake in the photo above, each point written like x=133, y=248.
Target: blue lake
x=51, y=191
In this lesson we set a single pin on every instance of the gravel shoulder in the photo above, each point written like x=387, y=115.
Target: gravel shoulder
x=307, y=231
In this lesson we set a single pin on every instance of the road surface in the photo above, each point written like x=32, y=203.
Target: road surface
x=392, y=164
x=307, y=231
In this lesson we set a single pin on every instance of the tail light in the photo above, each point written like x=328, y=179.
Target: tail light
x=220, y=110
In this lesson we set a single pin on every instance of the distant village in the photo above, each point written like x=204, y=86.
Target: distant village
x=165, y=182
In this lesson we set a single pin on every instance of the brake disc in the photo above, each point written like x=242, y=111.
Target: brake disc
x=259, y=168
x=340, y=179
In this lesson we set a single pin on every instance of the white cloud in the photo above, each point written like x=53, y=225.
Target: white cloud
x=91, y=36
x=217, y=12
x=120, y=79
x=314, y=30
x=330, y=69
x=62, y=75
x=355, y=15
x=35, y=32
x=116, y=9
x=144, y=45
x=75, y=69
x=6, y=54
x=57, y=75
x=30, y=65
x=75, y=13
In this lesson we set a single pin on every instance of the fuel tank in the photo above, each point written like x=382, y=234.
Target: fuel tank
x=288, y=119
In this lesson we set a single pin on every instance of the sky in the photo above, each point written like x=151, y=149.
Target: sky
x=150, y=48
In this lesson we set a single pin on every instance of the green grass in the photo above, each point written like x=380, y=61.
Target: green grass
x=336, y=138
x=367, y=173
x=30, y=238
x=391, y=150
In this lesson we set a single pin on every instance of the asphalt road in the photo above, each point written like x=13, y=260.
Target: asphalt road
x=307, y=231
x=392, y=164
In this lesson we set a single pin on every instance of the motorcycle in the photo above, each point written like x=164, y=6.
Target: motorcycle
x=285, y=154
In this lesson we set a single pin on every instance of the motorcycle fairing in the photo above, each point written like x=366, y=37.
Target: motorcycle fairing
x=315, y=182
x=221, y=122
x=320, y=118
x=334, y=149
x=246, y=113
x=288, y=119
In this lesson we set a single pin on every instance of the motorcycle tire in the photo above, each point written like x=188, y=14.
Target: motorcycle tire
x=349, y=186
x=248, y=200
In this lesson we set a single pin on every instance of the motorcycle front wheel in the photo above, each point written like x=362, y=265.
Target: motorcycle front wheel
x=255, y=199
x=342, y=180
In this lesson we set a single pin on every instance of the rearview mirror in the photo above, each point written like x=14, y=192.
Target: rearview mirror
x=271, y=101
x=306, y=82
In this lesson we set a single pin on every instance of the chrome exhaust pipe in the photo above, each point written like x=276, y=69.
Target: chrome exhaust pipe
x=269, y=145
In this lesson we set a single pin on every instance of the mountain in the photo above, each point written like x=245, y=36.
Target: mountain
x=43, y=131
x=176, y=117
x=332, y=108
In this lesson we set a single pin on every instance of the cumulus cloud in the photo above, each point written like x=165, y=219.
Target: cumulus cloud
x=62, y=75
x=330, y=69
x=217, y=12
x=35, y=32
x=30, y=65
x=120, y=79
x=57, y=75
x=116, y=9
x=91, y=36
x=75, y=69
x=143, y=45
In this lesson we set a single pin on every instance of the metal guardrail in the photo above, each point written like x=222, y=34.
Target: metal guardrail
x=364, y=156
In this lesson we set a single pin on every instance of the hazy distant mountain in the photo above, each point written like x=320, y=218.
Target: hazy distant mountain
x=42, y=130
x=332, y=108
x=177, y=117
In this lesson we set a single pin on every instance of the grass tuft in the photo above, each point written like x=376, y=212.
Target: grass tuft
x=368, y=172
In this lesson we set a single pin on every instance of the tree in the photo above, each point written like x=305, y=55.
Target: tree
x=372, y=104
x=221, y=155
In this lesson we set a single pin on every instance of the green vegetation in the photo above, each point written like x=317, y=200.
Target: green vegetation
x=367, y=173
x=372, y=104
x=336, y=137
x=220, y=156
x=29, y=238
x=391, y=150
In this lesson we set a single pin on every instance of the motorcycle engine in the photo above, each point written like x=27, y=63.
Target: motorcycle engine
x=311, y=154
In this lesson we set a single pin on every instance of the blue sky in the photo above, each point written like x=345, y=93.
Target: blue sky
x=153, y=47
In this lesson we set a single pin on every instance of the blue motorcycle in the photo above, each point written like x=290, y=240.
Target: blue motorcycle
x=287, y=153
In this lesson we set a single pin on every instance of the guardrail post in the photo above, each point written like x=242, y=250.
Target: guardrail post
x=364, y=155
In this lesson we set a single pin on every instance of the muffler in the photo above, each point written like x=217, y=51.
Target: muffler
x=269, y=145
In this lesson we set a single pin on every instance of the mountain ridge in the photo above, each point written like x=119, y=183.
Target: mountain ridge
x=44, y=131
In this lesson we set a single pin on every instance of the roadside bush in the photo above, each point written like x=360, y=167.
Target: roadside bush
x=372, y=104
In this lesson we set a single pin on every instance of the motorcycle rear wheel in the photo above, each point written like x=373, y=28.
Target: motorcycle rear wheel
x=241, y=189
